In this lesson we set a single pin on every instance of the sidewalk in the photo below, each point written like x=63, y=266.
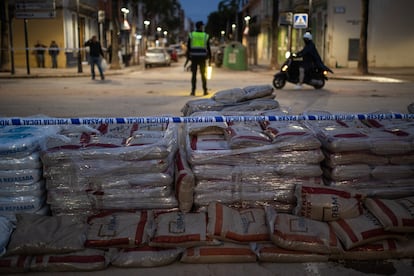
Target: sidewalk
x=380, y=74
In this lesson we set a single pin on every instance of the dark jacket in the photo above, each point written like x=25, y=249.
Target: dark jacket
x=311, y=57
x=95, y=49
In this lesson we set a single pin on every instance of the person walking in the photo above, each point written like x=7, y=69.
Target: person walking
x=311, y=58
x=39, y=51
x=95, y=54
x=54, y=52
x=198, y=52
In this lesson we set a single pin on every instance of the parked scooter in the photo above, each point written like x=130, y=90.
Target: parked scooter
x=290, y=73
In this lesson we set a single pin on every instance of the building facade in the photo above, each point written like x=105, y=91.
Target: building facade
x=335, y=25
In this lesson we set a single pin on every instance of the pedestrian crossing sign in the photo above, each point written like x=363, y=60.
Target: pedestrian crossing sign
x=300, y=20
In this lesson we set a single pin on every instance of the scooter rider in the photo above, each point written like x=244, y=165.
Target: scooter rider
x=311, y=58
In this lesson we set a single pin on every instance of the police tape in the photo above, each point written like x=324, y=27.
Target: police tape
x=45, y=121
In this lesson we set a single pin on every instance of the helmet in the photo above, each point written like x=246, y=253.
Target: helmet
x=307, y=35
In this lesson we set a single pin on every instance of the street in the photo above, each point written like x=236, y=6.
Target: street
x=164, y=91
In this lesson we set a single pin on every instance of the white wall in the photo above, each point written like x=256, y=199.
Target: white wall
x=390, y=33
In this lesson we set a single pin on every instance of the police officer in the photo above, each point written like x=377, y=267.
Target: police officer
x=198, y=51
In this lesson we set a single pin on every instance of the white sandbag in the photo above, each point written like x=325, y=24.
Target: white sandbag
x=326, y=203
x=184, y=182
x=37, y=234
x=348, y=172
x=209, y=142
x=84, y=260
x=144, y=256
x=196, y=126
x=223, y=253
x=15, y=264
x=31, y=161
x=257, y=91
x=18, y=142
x=259, y=104
x=348, y=158
x=361, y=230
x=230, y=96
x=299, y=233
x=240, y=136
x=198, y=105
x=35, y=189
x=269, y=252
x=6, y=228
x=394, y=214
x=393, y=172
x=243, y=225
x=405, y=249
x=21, y=204
x=177, y=229
x=119, y=229
x=379, y=250
x=138, y=200
x=24, y=176
x=291, y=135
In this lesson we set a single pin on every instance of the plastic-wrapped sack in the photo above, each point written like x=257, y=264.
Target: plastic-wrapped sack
x=326, y=203
x=361, y=230
x=184, y=182
x=15, y=264
x=119, y=229
x=145, y=256
x=300, y=233
x=85, y=260
x=224, y=253
x=37, y=234
x=394, y=214
x=6, y=228
x=269, y=252
x=243, y=226
x=177, y=229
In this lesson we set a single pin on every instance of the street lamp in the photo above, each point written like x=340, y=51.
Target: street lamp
x=157, y=42
x=247, y=19
x=146, y=24
x=233, y=30
x=125, y=27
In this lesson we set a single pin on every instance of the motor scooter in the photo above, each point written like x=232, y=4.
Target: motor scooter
x=289, y=72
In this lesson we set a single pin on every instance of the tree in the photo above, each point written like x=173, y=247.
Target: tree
x=114, y=37
x=363, y=52
x=275, y=34
x=4, y=36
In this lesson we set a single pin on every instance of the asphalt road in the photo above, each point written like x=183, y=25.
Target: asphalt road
x=165, y=90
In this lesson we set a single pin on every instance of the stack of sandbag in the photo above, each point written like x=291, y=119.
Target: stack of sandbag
x=250, y=98
x=374, y=156
x=345, y=224
x=22, y=187
x=251, y=163
x=92, y=168
x=50, y=243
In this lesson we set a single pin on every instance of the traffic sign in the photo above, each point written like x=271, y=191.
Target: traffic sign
x=35, y=9
x=300, y=20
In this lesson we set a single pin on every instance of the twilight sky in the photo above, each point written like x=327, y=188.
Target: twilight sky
x=198, y=10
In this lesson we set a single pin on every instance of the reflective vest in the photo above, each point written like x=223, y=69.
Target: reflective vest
x=198, y=42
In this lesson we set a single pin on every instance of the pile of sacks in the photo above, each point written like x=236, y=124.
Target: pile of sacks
x=22, y=186
x=101, y=167
x=249, y=98
x=326, y=224
x=374, y=156
x=250, y=163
